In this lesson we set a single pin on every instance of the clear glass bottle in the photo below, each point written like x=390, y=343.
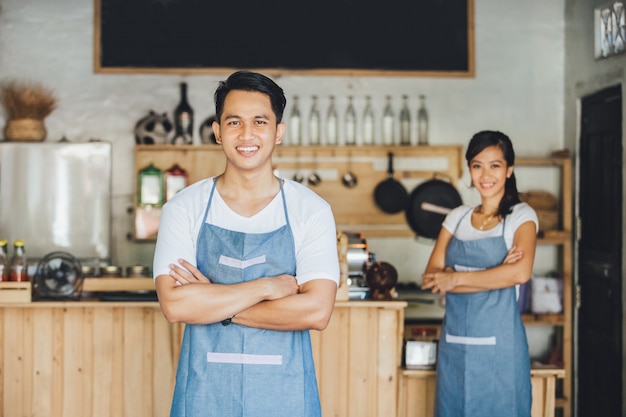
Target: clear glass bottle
x=405, y=122
x=350, y=123
x=332, y=123
x=183, y=119
x=19, y=265
x=4, y=260
x=314, y=123
x=388, y=123
x=422, y=122
x=368, y=122
x=295, y=124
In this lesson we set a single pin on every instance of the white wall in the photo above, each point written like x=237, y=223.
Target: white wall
x=518, y=89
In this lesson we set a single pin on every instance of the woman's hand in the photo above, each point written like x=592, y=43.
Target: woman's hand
x=440, y=281
x=186, y=273
x=512, y=256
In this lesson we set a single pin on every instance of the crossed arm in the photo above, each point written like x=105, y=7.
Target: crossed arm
x=515, y=269
x=274, y=303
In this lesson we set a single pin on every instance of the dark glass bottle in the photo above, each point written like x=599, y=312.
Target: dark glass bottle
x=183, y=119
x=19, y=266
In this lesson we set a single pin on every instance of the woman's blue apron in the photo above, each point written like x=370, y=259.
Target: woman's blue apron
x=483, y=367
x=233, y=370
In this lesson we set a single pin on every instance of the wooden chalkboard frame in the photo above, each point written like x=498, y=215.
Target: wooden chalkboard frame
x=102, y=66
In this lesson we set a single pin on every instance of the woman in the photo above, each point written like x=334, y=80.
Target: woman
x=480, y=256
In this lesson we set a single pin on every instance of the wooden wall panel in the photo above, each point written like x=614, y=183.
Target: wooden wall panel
x=354, y=208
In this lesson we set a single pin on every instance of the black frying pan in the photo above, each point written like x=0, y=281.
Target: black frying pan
x=390, y=195
x=428, y=205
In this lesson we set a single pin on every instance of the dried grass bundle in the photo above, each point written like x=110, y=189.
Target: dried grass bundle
x=27, y=100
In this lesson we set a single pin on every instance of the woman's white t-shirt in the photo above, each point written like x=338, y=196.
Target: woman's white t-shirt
x=520, y=214
x=310, y=217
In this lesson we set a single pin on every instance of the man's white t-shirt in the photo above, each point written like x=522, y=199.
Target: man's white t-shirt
x=310, y=217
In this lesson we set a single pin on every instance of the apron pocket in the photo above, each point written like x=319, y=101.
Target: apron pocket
x=468, y=340
x=244, y=358
x=267, y=392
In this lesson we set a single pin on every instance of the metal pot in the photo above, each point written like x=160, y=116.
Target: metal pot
x=428, y=205
x=390, y=195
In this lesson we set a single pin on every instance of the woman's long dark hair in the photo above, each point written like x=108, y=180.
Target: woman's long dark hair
x=485, y=139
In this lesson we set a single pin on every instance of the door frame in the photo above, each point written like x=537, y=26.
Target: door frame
x=576, y=231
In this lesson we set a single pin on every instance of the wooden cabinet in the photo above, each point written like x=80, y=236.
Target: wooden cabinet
x=354, y=208
x=119, y=359
x=562, y=239
x=416, y=394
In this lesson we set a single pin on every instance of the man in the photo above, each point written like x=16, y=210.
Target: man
x=249, y=262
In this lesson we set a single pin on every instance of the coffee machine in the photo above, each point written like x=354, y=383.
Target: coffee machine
x=359, y=259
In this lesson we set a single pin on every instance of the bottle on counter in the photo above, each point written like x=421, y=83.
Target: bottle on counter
x=4, y=260
x=368, y=122
x=405, y=122
x=19, y=265
x=183, y=119
x=314, y=123
x=388, y=123
x=422, y=122
x=332, y=123
x=350, y=123
x=295, y=124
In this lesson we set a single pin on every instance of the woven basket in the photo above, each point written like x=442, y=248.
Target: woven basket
x=548, y=220
x=26, y=130
x=540, y=200
x=547, y=207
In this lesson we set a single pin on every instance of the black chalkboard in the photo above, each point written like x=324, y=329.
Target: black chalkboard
x=332, y=36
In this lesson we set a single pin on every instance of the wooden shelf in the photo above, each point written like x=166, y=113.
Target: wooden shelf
x=101, y=284
x=544, y=319
x=353, y=208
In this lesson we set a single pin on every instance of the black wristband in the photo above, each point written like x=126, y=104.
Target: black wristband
x=227, y=321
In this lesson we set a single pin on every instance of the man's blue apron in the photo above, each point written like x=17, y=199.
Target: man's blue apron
x=233, y=370
x=483, y=367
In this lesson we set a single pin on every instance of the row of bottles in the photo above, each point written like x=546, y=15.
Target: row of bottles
x=369, y=136
x=15, y=269
x=155, y=186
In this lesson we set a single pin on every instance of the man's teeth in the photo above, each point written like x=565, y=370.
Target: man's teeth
x=247, y=148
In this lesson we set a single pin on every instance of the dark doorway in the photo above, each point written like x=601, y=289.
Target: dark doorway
x=599, y=256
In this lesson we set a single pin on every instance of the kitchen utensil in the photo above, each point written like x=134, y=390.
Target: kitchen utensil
x=297, y=176
x=349, y=179
x=428, y=205
x=314, y=179
x=390, y=195
x=381, y=278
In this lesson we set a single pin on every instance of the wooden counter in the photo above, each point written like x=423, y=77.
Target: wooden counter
x=417, y=392
x=119, y=359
